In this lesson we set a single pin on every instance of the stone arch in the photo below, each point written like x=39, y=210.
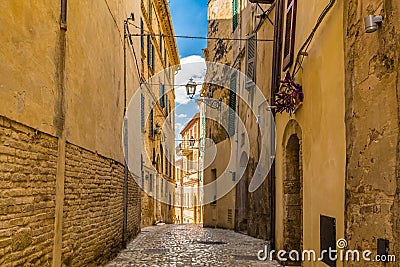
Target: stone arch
x=293, y=188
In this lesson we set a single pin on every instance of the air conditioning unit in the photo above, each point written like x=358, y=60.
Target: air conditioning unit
x=262, y=1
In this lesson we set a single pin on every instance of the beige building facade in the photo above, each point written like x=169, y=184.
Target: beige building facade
x=190, y=192
x=67, y=199
x=159, y=61
x=221, y=211
x=327, y=182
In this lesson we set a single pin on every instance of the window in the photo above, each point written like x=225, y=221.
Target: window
x=151, y=183
x=290, y=32
x=232, y=105
x=214, y=178
x=150, y=12
x=142, y=122
x=162, y=97
x=152, y=57
x=141, y=34
x=161, y=43
x=151, y=128
x=251, y=56
x=235, y=14
x=149, y=45
x=166, y=105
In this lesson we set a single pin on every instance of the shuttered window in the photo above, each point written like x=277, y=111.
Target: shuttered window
x=251, y=67
x=150, y=12
x=151, y=127
x=290, y=33
x=142, y=122
x=141, y=34
x=151, y=183
x=232, y=105
x=166, y=105
x=161, y=43
x=149, y=45
x=235, y=14
x=152, y=57
x=162, y=92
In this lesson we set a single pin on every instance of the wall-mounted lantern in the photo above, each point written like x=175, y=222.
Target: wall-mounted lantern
x=191, y=91
x=191, y=88
x=372, y=23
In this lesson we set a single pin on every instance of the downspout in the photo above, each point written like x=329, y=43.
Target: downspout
x=125, y=207
x=276, y=76
x=59, y=122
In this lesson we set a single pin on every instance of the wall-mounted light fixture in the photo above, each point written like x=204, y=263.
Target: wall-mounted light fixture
x=191, y=91
x=372, y=23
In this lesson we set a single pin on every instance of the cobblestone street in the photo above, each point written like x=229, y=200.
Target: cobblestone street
x=191, y=245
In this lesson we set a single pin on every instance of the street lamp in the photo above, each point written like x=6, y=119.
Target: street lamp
x=191, y=88
x=191, y=91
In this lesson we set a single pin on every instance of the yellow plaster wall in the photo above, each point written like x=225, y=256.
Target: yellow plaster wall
x=321, y=118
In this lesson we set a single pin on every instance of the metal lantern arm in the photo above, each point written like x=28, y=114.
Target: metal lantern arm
x=211, y=102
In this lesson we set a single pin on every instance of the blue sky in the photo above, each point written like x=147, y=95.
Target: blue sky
x=189, y=18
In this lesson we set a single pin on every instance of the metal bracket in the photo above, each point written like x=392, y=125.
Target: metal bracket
x=211, y=102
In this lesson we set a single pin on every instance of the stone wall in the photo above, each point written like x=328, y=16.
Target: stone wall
x=372, y=118
x=93, y=203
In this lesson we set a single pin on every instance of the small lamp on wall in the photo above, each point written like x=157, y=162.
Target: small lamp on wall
x=372, y=23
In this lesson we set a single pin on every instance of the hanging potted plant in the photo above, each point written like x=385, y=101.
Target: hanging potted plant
x=290, y=95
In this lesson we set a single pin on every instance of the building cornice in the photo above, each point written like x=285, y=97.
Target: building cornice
x=163, y=13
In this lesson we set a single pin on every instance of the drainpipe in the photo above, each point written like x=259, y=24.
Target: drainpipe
x=125, y=208
x=276, y=76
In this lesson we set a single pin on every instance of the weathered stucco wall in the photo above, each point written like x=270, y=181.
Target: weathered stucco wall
x=63, y=148
x=372, y=108
x=222, y=214
x=29, y=37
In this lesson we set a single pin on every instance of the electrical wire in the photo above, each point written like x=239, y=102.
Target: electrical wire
x=303, y=50
x=134, y=55
x=202, y=38
x=192, y=37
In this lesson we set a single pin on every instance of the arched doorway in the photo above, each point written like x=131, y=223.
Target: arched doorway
x=293, y=196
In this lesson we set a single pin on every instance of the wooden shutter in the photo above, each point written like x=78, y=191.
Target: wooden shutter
x=290, y=33
x=149, y=50
x=166, y=105
x=251, y=56
x=162, y=91
x=235, y=14
x=151, y=132
x=161, y=43
x=150, y=12
x=142, y=122
x=141, y=34
x=251, y=67
x=232, y=105
x=152, y=57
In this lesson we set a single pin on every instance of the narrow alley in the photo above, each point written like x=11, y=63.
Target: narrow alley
x=191, y=245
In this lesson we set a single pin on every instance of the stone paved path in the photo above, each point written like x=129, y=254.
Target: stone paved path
x=191, y=245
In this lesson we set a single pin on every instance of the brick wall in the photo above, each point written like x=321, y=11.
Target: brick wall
x=27, y=185
x=93, y=203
